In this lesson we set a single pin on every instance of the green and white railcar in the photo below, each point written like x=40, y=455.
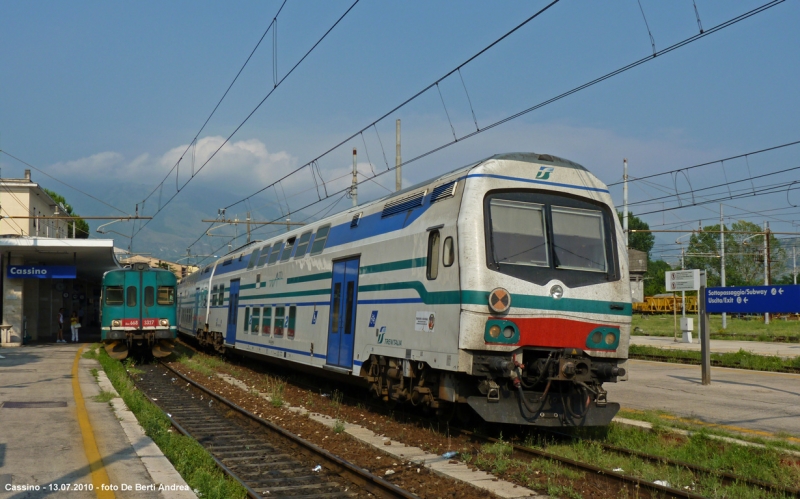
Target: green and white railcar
x=502, y=286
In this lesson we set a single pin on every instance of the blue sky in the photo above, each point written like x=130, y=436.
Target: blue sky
x=106, y=95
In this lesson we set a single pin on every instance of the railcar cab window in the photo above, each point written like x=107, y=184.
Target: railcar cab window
x=114, y=295
x=149, y=296
x=130, y=296
x=433, y=255
x=166, y=295
x=538, y=236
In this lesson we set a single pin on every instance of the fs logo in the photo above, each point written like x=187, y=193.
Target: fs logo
x=544, y=172
x=381, y=334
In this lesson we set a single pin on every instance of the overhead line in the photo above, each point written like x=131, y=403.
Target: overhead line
x=671, y=48
x=250, y=115
x=62, y=182
x=275, y=17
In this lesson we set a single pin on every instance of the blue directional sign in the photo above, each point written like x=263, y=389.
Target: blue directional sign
x=754, y=299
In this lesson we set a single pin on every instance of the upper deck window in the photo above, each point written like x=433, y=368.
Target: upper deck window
x=320, y=239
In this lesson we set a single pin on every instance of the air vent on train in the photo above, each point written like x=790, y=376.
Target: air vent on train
x=443, y=191
x=356, y=219
x=401, y=205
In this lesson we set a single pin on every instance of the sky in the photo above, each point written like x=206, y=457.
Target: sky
x=103, y=98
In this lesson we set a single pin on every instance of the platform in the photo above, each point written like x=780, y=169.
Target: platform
x=50, y=424
x=759, y=403
x=787, y=350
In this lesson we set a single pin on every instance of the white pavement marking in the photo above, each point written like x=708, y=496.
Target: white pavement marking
x=438, y=464
x=154, y=461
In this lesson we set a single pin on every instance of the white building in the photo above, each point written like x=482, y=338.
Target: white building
x=43, y=267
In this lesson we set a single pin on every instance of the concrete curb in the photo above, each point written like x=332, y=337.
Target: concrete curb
x=154, y=461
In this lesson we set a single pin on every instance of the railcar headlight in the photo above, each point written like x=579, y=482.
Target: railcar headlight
x=494, y=331
x=499, y=301
x=164, y=322
x=508, y=332
x=115, y=323
x=556, y=291
x=610, y=338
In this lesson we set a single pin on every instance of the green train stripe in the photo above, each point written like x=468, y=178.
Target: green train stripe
x=390, y=266
x=322, y=276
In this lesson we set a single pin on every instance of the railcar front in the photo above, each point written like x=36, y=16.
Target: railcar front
x=546, y=306
x=138, y=311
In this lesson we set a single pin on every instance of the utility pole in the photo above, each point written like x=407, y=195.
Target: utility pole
x=248, y=227
x=794, y=263
x=354, y=187
x=722, y=259
x=683, y=293
x=625, y=202
x=398, y=174
x=766, y=263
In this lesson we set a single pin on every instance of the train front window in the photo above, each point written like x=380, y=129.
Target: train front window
x=540, y=236
x=518, y=233
x=166, y=295
x=114, y=295
x=130, y=296
x=149, y=296
x=578, y=239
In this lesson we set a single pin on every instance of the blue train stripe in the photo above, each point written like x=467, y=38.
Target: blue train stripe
x=356, y=363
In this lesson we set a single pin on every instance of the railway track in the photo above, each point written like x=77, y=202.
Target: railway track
x=266, y=459
x=655, y=489
x=642, y=487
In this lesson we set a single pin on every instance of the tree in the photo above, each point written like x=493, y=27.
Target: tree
x=654, y=278
x=81, y=227
x=642, y=241
x=744, y=254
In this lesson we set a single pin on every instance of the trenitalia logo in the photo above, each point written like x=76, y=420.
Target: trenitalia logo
x=544, y=172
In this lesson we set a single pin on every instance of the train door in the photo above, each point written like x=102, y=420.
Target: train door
x=196, y=309
x=132, y=301
x=344, y=296
x=233, y=312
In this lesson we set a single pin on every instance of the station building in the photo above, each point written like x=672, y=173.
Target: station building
x=44, y=267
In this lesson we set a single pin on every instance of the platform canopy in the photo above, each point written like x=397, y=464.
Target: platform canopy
x=91, y=257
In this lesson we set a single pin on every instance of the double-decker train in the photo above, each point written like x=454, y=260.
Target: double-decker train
x=138, y=311
x=501, y=286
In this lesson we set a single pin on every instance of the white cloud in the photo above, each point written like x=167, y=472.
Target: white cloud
x=103, y=164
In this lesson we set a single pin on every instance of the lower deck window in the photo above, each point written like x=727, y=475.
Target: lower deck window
x=267, y=322
x=279, y=321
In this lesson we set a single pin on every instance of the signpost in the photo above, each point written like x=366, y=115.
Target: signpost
x=682, y=280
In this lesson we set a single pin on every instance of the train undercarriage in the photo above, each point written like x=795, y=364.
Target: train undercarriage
x=542, y=387
x=119, y=344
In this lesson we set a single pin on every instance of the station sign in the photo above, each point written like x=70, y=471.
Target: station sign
x=41, y=272
x=754, y=299
x=682, y=280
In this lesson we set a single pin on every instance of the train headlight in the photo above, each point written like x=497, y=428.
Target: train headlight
x=610, y=338
x=508, y=332
x=164, y=322
x=499, y=301
x=494, y=331
x=115, y=323
x=556, y=291
x=500, y=331
x=603, y=338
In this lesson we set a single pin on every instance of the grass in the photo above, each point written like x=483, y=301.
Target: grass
x=740, y=359
x=767, y=465
x=190, y=459
x=752, y=329
x=104, y=396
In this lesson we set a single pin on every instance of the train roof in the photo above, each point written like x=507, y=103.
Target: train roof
x=527, y=157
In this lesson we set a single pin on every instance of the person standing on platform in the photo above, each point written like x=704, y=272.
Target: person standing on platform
x=74, y=325
x=60, y=337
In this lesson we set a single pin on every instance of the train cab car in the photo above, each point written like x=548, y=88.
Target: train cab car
x=138, y=310
x=500, y=288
